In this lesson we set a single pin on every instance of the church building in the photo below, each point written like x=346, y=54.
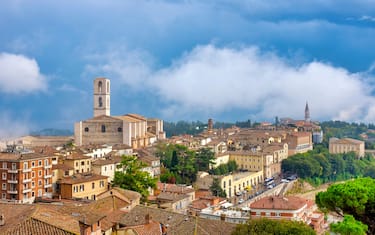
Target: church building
x=130, y=129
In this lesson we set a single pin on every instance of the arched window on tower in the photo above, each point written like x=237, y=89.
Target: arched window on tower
x=103, y=128
x=107, y=87
x=100, y=102
x=100, y=85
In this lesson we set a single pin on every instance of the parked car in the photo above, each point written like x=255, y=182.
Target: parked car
x=284, y=181
x=239, y=193
x=240, y=201
x=270, y=186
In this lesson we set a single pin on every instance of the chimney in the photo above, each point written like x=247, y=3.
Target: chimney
x=148, y=218
x=2, y=220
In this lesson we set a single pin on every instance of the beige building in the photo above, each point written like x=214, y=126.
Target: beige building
x=87, y=186
x=299, y=142
x=239, y=182
x=131, y=129
x=346, y=145
x=79, y=162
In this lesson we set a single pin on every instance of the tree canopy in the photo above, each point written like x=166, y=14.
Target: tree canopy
x=216, y=189
x=356, y=197
x=319, y=166
x=273, y=227
x=133, y=177
x=349, y=226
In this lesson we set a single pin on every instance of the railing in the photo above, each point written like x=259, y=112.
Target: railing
x=26, y=180
x=47, y=166
x=26, y=190
x=12, y=192
x=12, y=181
x=47, y=176
x=47, y=185
x=26, y=170
x=12, y=170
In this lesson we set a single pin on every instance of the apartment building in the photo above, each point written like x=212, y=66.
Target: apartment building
x=346, y=145
x=86, y=186
x=79, y=162
x=25, y=176
x=299, y=142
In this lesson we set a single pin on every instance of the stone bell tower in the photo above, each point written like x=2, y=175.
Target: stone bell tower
x=102, y=103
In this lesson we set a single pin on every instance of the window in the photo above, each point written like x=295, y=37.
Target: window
x=32, y=184
x=32, y=164
x=14, y=166
x=100, y=86
x=100, y=102
x=46, y=162
x=33, y=174
x=4, y=177
x=103, y=128
x=39, y=182
x=66, y=173
x=5, y=165
x=105, y=168
x=75, y=189
x=25, y=165
x=119, y=129
x=77, y=164
x=33, y=194
x=92, y=185
x=107, y=87
x=101, y=183
x=82, y=163
x=39, y=173
x=82, y=187
x=3, y=196
x=4, y=186
x=39, y=162
x=40, y=193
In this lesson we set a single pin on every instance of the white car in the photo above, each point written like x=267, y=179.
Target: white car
x=284, y=181
x=240, y=201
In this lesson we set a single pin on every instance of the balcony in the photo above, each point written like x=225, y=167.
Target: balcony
x=26, y=181
x=12, y=181
x=12, y=191
x=27, y=190
x=47, y=176
x=26, y=170
x=47, y=166
x=12, y=170
x=47, y=185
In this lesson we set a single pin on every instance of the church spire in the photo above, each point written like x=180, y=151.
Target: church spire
x=307, y=113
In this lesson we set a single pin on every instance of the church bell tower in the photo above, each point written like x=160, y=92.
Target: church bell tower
x=102, y=104
x=307, y=113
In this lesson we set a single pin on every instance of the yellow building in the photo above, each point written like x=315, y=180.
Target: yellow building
x=267, y=162
x=79, y=162
x=239, y=182
x=346, y=145
x=87, y=186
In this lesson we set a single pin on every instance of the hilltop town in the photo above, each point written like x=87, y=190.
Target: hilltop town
x=91, y=183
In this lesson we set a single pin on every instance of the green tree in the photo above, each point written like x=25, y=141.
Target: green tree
x=204, y=159
x=349, y=226
x=355, y=197
x=133, y=177
x=273, y=227
x=216, y=189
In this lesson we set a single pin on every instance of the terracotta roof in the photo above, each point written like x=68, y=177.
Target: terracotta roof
x=36, y=227
x=20, y=157
x=177, y=223
x=150, y=228
x=279, y=203
x=171, y=197
x=103, y=162
x=80, y=178
x=345, y=141
x=174, y=188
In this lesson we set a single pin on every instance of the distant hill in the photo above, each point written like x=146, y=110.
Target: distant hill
x=52, y=132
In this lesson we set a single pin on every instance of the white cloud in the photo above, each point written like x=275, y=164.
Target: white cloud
x=12, y=127
x=19, y=74
x=209, y=81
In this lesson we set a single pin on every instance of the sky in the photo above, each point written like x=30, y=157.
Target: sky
x=186, y=60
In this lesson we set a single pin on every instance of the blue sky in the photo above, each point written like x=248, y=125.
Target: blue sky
x=186, y=60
